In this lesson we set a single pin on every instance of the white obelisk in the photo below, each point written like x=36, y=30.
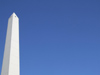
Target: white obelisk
x=11, y=65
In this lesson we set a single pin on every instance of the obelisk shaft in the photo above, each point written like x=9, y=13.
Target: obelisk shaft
x=11, y=65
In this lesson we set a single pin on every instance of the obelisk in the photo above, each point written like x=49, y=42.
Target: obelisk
x=11, y=60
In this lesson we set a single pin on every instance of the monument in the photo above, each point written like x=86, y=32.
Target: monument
x=11, y=60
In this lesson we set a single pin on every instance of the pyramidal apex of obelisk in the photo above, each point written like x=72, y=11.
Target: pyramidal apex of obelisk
x=11, y=59
x=14, y=15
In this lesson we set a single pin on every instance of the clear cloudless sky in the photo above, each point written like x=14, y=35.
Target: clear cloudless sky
x=57, y=37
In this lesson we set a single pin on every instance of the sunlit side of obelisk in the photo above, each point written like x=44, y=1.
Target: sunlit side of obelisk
x=11, y=65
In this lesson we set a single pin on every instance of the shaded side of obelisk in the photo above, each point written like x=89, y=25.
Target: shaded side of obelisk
x=11, y=60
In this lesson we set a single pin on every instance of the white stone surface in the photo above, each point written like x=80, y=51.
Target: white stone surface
x=11, y=60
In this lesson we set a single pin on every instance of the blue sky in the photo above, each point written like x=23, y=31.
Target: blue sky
x=57, y=37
